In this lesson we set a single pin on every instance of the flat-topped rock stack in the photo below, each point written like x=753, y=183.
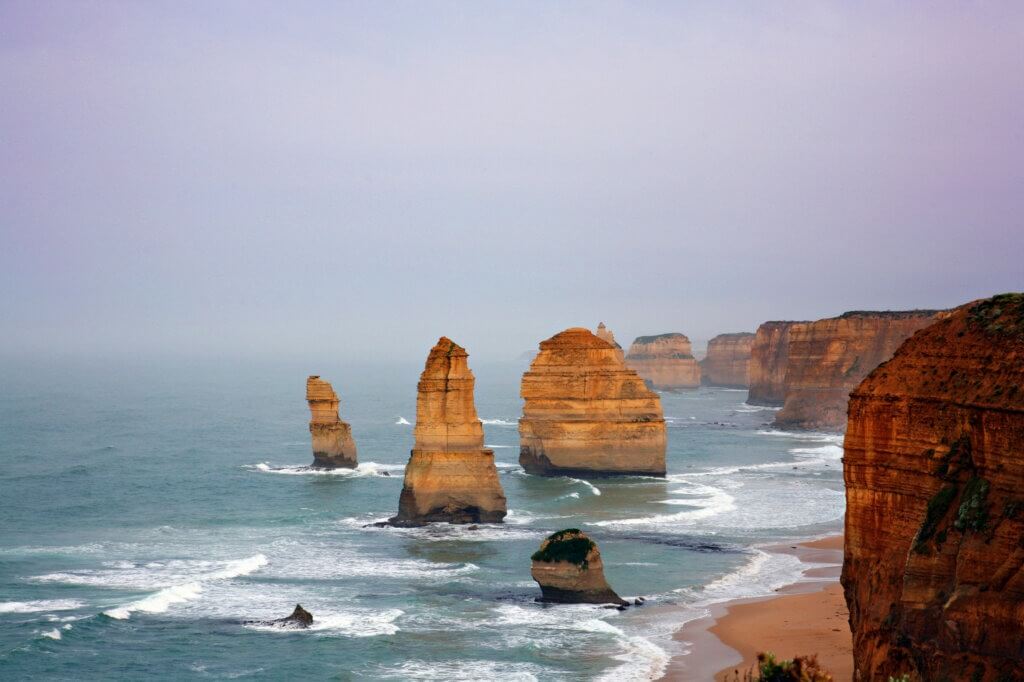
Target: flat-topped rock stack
x=586, y=413
x=450, y=475
x=769, y=357
x=665, y=361
x=569, y=570
x=727, y=363
x=934, y=471
x=829, y=358
x=333, y=445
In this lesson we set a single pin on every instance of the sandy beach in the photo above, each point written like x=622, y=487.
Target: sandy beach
x=807, y=617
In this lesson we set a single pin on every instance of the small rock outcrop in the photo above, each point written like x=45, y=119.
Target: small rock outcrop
x=665, y=360
x=333, y=445
x=605, y=334
x=569, y=570
x=300, y=619
x=450, y=475
x=830, y=357
x=586, y=413
x=728, y=360
x=769, y=357
x=934, y=467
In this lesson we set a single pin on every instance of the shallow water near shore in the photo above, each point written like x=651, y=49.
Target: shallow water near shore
x=150, y=508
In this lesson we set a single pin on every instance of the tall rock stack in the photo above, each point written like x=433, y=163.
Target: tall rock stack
x=830, y=357
x=333, y=445
x=728, y=360
x=450, y=475
x=665, y=361
x=605, y=334
x=586, y=413
x=769, y=356
x=934, y=470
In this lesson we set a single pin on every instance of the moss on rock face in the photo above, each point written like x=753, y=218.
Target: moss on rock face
x=973, y=512
x=566, y=545
x=937, y=508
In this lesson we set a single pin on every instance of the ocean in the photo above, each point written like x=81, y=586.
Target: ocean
x=149, y=508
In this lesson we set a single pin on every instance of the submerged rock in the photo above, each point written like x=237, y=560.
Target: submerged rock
x=333, y=445
x=665, y=360
x=934, y=469
x=300, y=619
x=450, y=475
x=586, y=413
x=569, y=570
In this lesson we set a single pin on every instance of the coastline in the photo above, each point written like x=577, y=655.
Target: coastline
x=730, y=636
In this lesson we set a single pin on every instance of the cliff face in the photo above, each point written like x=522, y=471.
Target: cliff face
x=828, y=358
x=586, y=413
x=333, y=446
x=665, y=360
x=450, y=475
x=934, y=470
x=569, y=570
x=728, y=360
x=769, y=357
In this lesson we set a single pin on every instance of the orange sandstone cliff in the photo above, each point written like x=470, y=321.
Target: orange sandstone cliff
x=569, y=570
x=450, y=475
x=586, y=413
x=333, y=445
x=728, y=360
x=934, y=469
x=828, y=358
x=769, y=356
x=665, y=360
x=605, y=334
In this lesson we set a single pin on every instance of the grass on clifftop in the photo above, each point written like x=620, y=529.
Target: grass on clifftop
x=1002, y=314
x=565, y=545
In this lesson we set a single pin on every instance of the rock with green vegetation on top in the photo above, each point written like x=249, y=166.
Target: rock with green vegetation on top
x=569, y=570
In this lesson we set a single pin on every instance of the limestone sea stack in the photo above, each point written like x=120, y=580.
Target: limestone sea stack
x=828, y=358
x=769, y=356
x=586, y=413
x=934, y=468
x=333, y=445
x=605, y=334
x=664, y=360
x=450, y=475
x=569, y=570
x=728, y=360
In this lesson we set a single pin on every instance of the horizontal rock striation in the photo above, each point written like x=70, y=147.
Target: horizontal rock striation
x=665, y=361
x=450, y=475
x=769, y=357
x=728, y=360
x=828, y=358
x=586, y=413
x=934, y=468
x=333, y=445
x=569, y=570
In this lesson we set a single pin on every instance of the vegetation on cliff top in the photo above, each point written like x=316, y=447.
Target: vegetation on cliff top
x=999, y=315
x=659, y=337
x=566, y=545
x=770, y=669
x=893, y=314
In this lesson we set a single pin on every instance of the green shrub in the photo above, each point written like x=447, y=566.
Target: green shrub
x=937, y=508
x=973, y=512
x=565, y=545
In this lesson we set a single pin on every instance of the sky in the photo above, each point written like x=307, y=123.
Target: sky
x=355, y=180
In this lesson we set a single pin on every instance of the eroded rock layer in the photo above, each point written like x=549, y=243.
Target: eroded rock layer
x=569, y=570
x=333, y=445
x=586, y=413
x=605, y=334
x=828, y=358
x=934, y=469
x=769, y=356
x=450, y=475
x=728, y=360
x=664, y=360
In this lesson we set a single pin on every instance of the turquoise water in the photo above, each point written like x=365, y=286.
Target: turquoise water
x=148, y=509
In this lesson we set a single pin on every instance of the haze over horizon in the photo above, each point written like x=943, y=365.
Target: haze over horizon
x=358, y=180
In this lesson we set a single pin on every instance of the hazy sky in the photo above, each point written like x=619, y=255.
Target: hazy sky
x=358, y=179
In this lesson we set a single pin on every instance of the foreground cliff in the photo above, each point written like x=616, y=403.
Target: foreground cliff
x=569, y=570
x=450, y=475
x=728, y=360
x=586, y=413
x=665, y=360
x=333, y=445
x=769, y=357
x=828, y=358
x=934, y=470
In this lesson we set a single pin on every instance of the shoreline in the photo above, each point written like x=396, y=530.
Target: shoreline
x=730, y=636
